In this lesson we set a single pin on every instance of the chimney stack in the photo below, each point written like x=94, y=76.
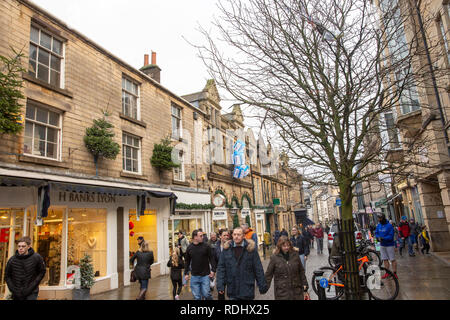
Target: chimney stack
x=152, y=70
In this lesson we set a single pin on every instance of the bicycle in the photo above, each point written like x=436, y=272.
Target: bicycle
x=364, y=249
x=378, y=287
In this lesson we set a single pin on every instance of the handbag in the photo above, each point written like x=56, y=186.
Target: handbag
x=132, y=276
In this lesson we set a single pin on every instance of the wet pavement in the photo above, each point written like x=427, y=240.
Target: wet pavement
x=423, y=277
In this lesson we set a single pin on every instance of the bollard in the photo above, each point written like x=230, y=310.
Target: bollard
x=320, y=290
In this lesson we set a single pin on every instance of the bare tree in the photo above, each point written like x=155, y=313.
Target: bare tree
x=326, y=76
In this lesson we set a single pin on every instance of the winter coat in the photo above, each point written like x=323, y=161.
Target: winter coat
x=386, y=233
x=284, y=233
x=24, y=273
x=276, y=237
x=289, y=276
x=301, y=244
x=144, y=261
x=217, y=252
x=414, y=229
x=404, y=229
x=175, y=272
x=239, y=275
x=424, y=237
x=252, y=236
x=318, y=233
x=183, y=243
x=213, y=244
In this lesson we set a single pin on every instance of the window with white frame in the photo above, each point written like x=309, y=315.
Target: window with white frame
x=176, y=121
x=131, y=153
x=130, y=99
x=178, y=173
x=45, y=58
x=444, y=37
x=42, y=132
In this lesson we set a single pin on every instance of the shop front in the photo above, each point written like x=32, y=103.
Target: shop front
x=260, y=225
x=219, y=219
x=79, y=220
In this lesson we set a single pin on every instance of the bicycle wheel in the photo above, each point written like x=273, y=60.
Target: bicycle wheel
x=332, y=292
x=374, y=257
x=379, y=288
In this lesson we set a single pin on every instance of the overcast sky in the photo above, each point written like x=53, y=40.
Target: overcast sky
x=129, y=29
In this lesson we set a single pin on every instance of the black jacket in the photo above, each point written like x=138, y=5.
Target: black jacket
x=144, y=261
x=175, y=272
x=24, y=273
x=301, y=244
x=199, y=260
x=239, y=275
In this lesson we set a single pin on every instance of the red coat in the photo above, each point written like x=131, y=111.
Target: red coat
x=403, y=229
x=318, y=233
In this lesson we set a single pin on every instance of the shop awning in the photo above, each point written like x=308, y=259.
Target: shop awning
x=301, y=217
x=72, y=187
x=21, y=182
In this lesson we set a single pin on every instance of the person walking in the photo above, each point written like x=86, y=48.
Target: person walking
x=425, y=238
x=284, y=233
x=276, y=237
x=183, y=243
x=310, y=231
x=249, y=233
x=318, y=233
x=24, y=271
x=213, y=241
x=142, y=270
x=140, y=239
x=287, y=271
x=202, y=265
x=175, y=264
x=385, y=235
x=403, y=230
x=413, y=233
x=224, y=236
x=239, y=267
x=205, y=237
x=301, y=244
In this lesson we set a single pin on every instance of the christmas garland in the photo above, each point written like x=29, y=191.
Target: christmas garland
x=194, y=206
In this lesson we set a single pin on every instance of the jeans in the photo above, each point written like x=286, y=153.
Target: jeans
x=144, y=284
x=412, y=240
x=200, y=287
x=319, y=245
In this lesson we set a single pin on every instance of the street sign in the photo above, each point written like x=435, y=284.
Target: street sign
x=338, y=202
x=324, y=283
x=276, y=201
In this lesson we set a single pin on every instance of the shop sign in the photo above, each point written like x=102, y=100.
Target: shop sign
x=219, y=215
x=86, y=197
x=244, y=213
x=259, y=216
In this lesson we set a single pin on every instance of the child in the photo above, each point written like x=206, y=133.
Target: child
x=176, y=264
x=425, y=240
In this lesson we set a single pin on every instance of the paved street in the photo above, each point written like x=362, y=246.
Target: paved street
x=421, y=278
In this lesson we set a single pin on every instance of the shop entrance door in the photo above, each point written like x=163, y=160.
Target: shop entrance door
x=11, y=229
x=187, y=225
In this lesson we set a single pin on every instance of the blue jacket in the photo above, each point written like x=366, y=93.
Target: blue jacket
x=386, y=232
x=239, y=275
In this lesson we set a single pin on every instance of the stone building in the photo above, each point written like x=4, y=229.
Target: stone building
x=69, y=82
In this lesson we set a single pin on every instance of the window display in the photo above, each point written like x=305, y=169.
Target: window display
x=87, y=234
x=145, y=227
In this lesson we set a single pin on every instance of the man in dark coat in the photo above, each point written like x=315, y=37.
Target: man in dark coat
x=24, y=271
x=239, y=267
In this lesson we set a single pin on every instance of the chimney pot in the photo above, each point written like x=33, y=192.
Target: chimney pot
x=145, y=60
x=153, y=58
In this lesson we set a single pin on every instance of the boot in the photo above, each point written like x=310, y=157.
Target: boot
x=142, y=294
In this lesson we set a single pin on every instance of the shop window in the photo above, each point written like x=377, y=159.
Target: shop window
x=146, y=227
x=87, y=235
x=47, y=241
x=219, y=224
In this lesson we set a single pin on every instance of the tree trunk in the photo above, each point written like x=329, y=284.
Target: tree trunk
x=352, y=285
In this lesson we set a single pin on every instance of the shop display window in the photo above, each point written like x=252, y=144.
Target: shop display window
x=146, y=227
x=87, y=234
x=219, y=224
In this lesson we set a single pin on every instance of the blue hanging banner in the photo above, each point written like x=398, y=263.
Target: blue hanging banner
x=240, y=169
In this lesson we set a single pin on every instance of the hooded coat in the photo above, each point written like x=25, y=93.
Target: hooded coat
x=24, y=273
x=239, y=275
x=289, y=276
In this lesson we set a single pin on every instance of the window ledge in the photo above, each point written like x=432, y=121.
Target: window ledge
x=135, y=121
x=409, y=115
x=127, y=174
x=181, y=183
x=45, y=162
x=46, y=85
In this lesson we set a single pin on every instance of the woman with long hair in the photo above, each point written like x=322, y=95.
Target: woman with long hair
x=287, y=271
x=142, y=270
x=175, y=264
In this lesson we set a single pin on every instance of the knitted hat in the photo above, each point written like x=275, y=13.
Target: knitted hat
x=404, y=218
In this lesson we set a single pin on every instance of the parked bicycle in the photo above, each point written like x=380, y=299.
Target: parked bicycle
x=372, y=281
x=365, y=248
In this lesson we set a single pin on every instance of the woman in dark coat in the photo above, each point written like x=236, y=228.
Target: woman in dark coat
x=143, y=267
x=176, y=264
x=288, y=272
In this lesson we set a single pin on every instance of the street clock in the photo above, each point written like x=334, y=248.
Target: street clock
x=219, y=200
